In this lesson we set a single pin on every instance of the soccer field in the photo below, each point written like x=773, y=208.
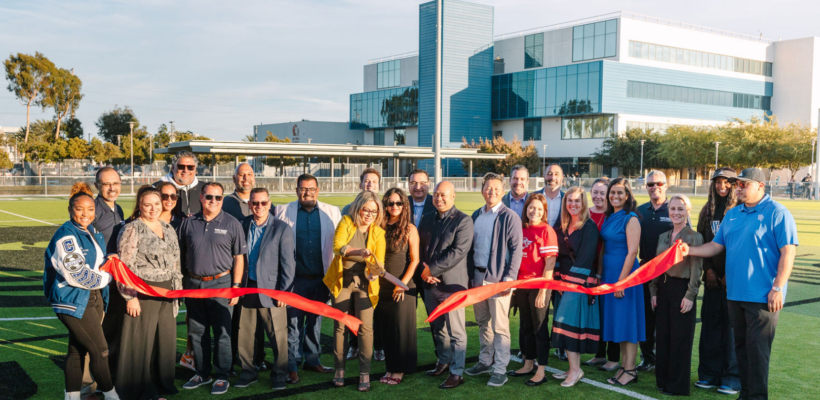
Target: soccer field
x=33, y=343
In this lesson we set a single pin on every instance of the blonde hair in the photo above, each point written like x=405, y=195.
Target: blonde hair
x=566, y=218
x=683, y=198
x=363, y=198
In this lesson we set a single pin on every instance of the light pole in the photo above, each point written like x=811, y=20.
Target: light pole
x=642, y=142
x=544, y=161
x=717, y=144
x=131, y=127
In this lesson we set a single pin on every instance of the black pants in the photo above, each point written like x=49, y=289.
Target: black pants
x=648, y=346
x=754, y=328
x=676, y=334
x=85, y=337
x=111, y=325
x=717, y=361
x=532, y=321
x=204, y=316
x=610, y=350
x=396, y=323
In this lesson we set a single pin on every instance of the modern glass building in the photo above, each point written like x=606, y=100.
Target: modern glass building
x=568, y=86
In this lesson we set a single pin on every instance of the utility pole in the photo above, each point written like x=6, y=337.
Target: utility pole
x=131, y=126
x=717, y=144
x=817, y=162
x=642, y=142
x=437, y=130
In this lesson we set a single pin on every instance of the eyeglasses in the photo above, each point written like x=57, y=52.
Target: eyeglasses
x=259, y=203
x=307, y=190
x=210, y=197
x=420, y=183
x=395, y=204
x=167, y=196
x=111, y=184
x=369, y=212
x=189, y=167
x=652, y=184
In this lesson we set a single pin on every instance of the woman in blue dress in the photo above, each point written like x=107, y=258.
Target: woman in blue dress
x=623, y=310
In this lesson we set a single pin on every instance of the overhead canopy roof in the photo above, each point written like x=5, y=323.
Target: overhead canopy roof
x=320, y=150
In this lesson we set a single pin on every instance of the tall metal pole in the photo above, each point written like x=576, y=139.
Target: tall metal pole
x=437, y=130
x=131, y=126
x=817, y=162
x=642, y=142
x=544, y=161
x=716, y=155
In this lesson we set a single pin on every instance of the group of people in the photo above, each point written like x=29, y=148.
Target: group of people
x=185, y=233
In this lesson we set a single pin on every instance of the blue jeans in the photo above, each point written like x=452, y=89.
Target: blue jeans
x=304, y=328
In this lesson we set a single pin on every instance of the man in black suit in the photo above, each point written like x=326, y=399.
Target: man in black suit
x=271, y=265
x=419, y=185
x=445, y=238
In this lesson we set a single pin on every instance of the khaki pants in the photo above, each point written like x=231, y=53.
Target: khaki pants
x=493, y=318
x=363, y=311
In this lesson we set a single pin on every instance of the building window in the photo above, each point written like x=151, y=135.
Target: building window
x=389, y=74
x=385, y=108
x=498, y=66
x=649, y=126
x=399, y=137
x=498, y=134
x=654, y=91
x=547, y=92
x=655, y=52
x=532, y=129
x=533, y=51
x=596, y=40
x=592, y=127
x=378, y=137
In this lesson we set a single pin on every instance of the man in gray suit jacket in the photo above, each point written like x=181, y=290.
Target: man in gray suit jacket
x=445, y=238
x=271, y=265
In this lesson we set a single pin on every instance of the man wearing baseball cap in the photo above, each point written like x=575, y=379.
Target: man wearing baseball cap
x=760, y=238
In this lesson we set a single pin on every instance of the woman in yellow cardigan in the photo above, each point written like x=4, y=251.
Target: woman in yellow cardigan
x=358, y=239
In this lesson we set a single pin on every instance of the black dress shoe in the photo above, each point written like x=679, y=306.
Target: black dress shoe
x=667, y=393
x=645, y=366
x=438, y=370
x=514, y=373
x=452, y=381
x=531, y=382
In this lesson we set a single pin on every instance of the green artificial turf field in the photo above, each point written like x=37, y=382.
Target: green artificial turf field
x=32, y=351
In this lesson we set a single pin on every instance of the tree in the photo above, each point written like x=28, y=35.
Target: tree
x=76, y=148
x=5, y=160
x=28, y=78
x=73, y=128
x=111, y=124
x=689, y=147
x=624, y=151
x=249, y=138
x=285, y=161
x=515, y=150
x=63, y=95
x=101, y=151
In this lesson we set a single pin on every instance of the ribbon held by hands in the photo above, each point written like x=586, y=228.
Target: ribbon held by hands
x=122, y=274
x=643, y=274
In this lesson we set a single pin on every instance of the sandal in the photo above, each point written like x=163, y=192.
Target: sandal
x=394, y=381
x=385, y=379
x=364, y=386
x=617, y=376
x=631, y=372
x=340, y=381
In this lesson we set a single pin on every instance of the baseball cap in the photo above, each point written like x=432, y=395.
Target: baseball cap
x=724, y=173
x=750, y=174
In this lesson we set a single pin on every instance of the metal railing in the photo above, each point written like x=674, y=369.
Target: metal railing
x=394, y=57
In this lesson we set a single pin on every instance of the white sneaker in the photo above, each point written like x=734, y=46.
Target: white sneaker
x=187, y=361
x=727, y=390
x=72, y=396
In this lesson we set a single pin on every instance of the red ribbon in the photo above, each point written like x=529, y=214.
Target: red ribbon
x=122, y=274
x=643, y=274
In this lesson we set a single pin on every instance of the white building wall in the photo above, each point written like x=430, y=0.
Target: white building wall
x=622, y=119
x=411, y=136
x=796, y=71
x=313, y=131
x=550, y=136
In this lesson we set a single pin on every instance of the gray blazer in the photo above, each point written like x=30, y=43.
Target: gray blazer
x=275, y=263
x=444, y=248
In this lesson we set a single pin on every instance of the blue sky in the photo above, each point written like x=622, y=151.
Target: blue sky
x=218, y=68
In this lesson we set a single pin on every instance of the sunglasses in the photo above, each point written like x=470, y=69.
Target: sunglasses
x=259, y=203
x=652, y=184
x=742, y=184
x=184, y=167
x=395, y=204
x=166, y=196
x=210, y=197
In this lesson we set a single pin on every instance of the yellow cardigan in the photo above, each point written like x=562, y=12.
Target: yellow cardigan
x=335, y=272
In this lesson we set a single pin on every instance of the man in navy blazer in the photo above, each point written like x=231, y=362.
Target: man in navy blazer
x=271, y=265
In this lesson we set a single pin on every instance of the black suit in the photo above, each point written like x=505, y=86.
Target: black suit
x=428, y=208
x=443, y=245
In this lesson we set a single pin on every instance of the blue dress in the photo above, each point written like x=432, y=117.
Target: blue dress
x=624, y=317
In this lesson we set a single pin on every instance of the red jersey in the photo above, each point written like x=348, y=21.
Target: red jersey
x=539, y=242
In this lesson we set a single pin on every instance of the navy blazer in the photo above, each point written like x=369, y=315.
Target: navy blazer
x=445, y=249
x=428, y=208
x=276, y=261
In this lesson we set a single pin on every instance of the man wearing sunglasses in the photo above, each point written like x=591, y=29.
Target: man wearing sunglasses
x=654, y=221
x=212, y=248
x=760, y=239
x=314, y=225
x=271, y=265
x=183, y=176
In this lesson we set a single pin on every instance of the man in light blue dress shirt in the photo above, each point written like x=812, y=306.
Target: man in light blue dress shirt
x=517, y=196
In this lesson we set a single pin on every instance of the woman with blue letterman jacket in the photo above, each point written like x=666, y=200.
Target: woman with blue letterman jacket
x=78, y=292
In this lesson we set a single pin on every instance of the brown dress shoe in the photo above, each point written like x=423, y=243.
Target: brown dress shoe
x=318, y=368
x=452, y=382
x=293, y=377
x=438, y=370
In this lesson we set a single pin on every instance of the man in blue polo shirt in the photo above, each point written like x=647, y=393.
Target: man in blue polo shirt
x=760, y=238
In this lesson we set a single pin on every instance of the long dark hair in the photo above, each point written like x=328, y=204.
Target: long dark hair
x=629, y=205
x=399, y=234
x=708, y=210
x=144, y=191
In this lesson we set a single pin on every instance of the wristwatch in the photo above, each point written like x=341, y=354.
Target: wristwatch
x=776, y=289
x=236, y=285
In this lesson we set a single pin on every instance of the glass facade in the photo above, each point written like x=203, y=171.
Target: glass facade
x=389, y=74
x=596, y=40
x=385, y=108
x=534, y=51
x=532, y=129
x=649, y=126
x=654, y=91
x=378, y=137
x=548, y=92
x=675, y=55
x=589, y=127
x=400, y=136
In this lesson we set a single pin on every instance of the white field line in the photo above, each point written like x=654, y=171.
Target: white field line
x=23, y=216
x=42, y=318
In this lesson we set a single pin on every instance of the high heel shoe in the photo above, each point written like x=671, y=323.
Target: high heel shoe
x=363, y=386
x=631, y=372
x=561, y=375
x=567, y=384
